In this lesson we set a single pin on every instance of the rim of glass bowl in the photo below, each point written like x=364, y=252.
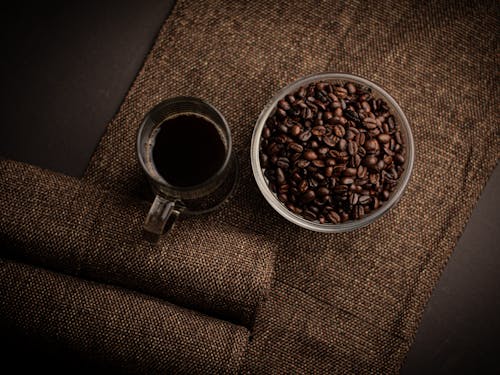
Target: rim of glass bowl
x=349, y=225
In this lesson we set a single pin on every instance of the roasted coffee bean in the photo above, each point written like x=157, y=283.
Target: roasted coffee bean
x=342, y=145
x=371, y=161
x=318, y=130
x=304, y=136
x=309, y=215
x=347, y=180
x=371, y=145
x=295, y=130
x=399, y=159
x=322, y=151
x=303, y=186
x=283, y=104
x=340, y=92
x=308, y=196
x=352, y=148
x=266, y=133
x=329, y=141
x=351, y=89
x=318, y=163
x=384, y=138
x=365, y=199
x=385, y=195
x=349, y=172
x=370, y=123
x=398, y=138
x=351, y=115
x=301, y=163
x=280, y=176
x=353, y=199
x=339, y=131
x=333, y=217
x=329, y=171
x=322, y=191
x=295, y=147
x=330, y=162
x=310, y=155
x=283, y=163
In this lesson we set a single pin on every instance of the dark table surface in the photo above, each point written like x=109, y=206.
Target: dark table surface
x=67, y=66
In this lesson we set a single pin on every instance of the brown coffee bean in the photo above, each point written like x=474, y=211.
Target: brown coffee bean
x=329, y=141
x=340, y=92
x=295, y=130
x=339, y=131
x=318, y=163
x=385, y=195
x=301, y=163
x=283, y=163
x=398, y=137
x=351, y=89
x=342, y=145
x=305, y=135
x=349, y=172
x=352, y=148
x=322, y=191
x=365, y=199
x=362, y=171
x=266, y=133
x=370, y=161
x=308, y=196
x=295, y=147
x=280, y=176
x=365, y=106
x=353, y=199
x=329, y=171
x=333, y=217
x=371, y=145
x=309, y=215
x=310, y=155
x=318, y=130
x=347, y=180
x=370, y=123
x=384, y=138
x=322, y=151
x=303, y=186
x=283, y=104
x=399, y=159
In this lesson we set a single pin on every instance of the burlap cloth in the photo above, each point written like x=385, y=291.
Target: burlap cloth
x=346, y=303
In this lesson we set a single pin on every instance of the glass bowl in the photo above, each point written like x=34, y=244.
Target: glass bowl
x=378, y=93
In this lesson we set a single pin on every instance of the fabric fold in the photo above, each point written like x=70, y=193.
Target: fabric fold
x=101, y=323
x=72, y=227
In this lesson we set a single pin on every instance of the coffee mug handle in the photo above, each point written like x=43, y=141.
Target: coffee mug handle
x=161, y=218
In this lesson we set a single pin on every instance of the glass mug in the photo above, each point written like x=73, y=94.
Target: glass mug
x=179, y=127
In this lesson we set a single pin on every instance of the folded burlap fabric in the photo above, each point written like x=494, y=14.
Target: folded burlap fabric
x=124, y=330
x=57, y=222
x=345, y=303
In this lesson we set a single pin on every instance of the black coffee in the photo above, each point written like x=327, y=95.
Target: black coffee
x=188, y=150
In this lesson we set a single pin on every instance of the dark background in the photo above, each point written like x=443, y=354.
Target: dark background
x=65, y=69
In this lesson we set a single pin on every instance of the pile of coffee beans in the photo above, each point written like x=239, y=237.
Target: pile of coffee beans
x=332, y=152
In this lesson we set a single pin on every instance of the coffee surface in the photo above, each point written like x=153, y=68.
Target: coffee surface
x=188, y=150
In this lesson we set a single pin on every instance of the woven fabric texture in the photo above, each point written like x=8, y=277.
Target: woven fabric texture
x=102, y=322
x=346, y=303
x=75, y=228
x=343, y=303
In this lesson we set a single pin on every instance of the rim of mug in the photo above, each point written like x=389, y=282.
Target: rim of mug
x=179, y=99
x=271, y=197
